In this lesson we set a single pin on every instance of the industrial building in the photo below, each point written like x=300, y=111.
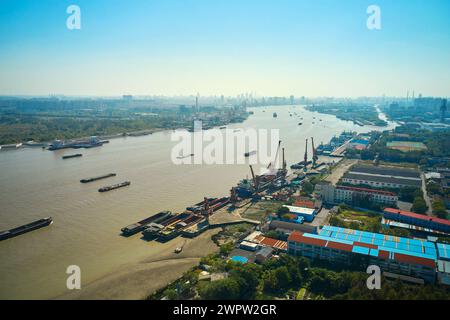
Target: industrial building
x=345, y=194
x=306, y=213
x=411, y=218
x=256, y=240
x=411, y=257
x=289, y=227
x=382, y=177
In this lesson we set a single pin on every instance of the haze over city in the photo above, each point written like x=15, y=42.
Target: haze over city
x=310, y=48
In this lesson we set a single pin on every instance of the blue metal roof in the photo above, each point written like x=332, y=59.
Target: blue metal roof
x=443, y=251
x=392, y=244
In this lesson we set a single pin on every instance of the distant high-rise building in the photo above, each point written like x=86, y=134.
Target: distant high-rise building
x=292, y=100
x=443, y=109
x=127, y=97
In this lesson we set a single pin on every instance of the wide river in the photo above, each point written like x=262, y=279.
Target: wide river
x=36, y=183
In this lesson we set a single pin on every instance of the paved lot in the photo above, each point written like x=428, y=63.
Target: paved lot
x=339, y=171
x=321, y=218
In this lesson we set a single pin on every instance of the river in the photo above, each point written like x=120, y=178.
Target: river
x=36, y=183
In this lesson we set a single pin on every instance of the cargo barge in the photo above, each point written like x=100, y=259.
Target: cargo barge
x=25, y=228
x=174, y=230
x=114, y=186
x=143, y=224
x=154, y=229
x=69, y=156
x=98, y=178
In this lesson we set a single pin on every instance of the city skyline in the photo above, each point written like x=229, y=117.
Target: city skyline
x=303, y=48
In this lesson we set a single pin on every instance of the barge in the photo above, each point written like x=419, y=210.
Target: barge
x=114, y=186
x=145, y=223
x=69, y=156
x=25, y=228
x=87, y=180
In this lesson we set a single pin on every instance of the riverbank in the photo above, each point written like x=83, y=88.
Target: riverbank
x=137, y=280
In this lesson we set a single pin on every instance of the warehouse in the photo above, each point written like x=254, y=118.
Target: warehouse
x=437, y=224
x=379, y=181
x=307, y=213
x=382, y=177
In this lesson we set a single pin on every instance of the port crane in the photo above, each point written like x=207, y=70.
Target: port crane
x=255, y=179
x=276, y=156
x=315, y=157
x=306, y=153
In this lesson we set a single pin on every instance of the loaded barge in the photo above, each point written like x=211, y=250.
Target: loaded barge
x=114, y=186
x=25, y=228
x=72, y=156
x=174, y=225
x=143, y=224
x=98, y=178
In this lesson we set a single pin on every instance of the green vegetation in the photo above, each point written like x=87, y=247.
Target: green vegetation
x=359, y=114
x=364, y=221
x=359, y=220
x=437, y=143
x=419, y=205
x=439, y=210
x=53, y=119
x=307, y=187
x=296, y=277
x=259, y=210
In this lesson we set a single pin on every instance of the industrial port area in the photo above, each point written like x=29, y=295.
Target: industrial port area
x=268, y=154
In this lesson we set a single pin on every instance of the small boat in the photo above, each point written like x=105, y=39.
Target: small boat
x=178, y=250
x=248, y=154
x=300, y=123
x=275, y=115
x=182, y=157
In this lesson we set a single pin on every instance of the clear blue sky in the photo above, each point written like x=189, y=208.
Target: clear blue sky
x=312, y=48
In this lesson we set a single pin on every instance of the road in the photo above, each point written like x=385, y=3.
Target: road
x=425, y=195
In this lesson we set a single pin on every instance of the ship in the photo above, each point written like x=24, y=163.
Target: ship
x=90, y=143
x=87, y=180
x=114, y=186
x=25, y=228
x=72, y=156
x=11, y=146
x=145, y=223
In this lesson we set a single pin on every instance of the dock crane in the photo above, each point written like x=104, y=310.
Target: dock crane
x=276, y=156
x=306, y=153
x=315, y=157
x=255, y=179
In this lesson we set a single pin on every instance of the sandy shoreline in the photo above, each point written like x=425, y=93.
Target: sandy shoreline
x=138, y=280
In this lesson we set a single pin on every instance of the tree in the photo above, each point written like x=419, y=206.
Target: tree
x=225, y=289
x=439, y=208
x=308, y=187
x=282, y=210
x=419, y=205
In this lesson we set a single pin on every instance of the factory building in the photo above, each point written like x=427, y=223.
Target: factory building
x=345, y=194
x=307, y=214
x=382, y=177
x=410, y=257
x=411, y=218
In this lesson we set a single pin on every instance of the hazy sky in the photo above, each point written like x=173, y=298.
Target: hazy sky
x=277, y=47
